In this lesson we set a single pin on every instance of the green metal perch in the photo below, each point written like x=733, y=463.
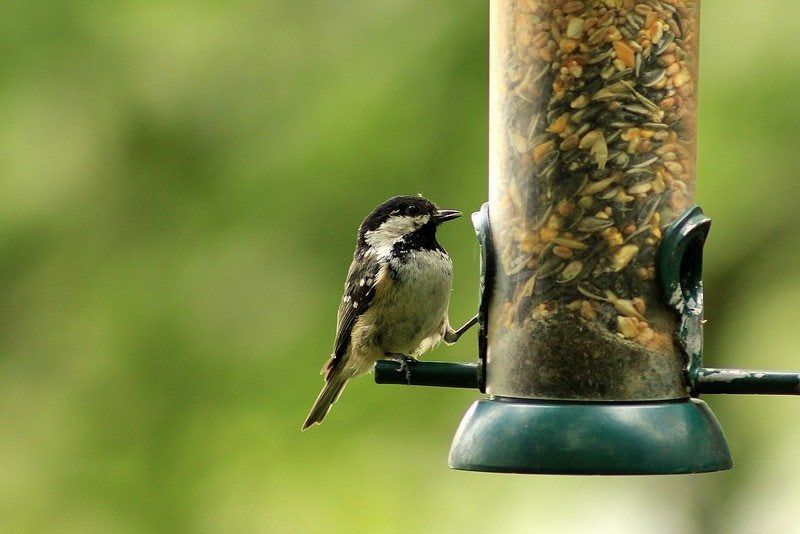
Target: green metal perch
x=467, y=376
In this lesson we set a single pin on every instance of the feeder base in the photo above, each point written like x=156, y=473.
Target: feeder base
x=506, y=435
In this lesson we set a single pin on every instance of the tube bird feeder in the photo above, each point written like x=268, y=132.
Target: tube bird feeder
x=590, y=337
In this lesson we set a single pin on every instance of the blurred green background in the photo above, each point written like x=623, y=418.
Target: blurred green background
x=181, y=185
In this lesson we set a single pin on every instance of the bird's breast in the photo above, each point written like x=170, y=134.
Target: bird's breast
x=416, y=300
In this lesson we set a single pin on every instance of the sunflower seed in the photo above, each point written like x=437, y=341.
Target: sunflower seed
x=639, y=110
x=648, y=209
x=549, y=268
x=621, y=75
x=638, y=174
x=646, y=162
x=570, y=272
x=609, y=193
x=665, y=41
x=594, y=224
x=634, y=21
x=652, y=77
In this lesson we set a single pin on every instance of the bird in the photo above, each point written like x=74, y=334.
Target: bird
x=396, y=295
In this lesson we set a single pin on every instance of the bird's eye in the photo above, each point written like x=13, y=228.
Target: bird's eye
x=413, y=210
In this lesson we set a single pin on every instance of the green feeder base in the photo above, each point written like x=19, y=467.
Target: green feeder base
x=581, y=438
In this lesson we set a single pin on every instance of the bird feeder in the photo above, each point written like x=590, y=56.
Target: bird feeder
x=591, y=313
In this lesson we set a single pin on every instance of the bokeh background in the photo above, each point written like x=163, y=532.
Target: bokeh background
x=180, y=184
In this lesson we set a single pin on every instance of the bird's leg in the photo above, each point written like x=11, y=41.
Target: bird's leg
x=404, y=360
x=451, y=336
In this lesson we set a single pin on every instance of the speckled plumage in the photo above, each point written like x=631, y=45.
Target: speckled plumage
x=396, y=296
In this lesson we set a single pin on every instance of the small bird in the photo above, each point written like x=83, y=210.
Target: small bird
x=396, y=296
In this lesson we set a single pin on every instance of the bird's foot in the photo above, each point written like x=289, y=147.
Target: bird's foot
x=403, y=360
x=451, y=336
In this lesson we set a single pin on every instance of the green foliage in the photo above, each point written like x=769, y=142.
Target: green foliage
x=181, y=186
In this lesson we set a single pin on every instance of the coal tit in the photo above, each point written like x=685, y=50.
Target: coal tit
x=396, y=296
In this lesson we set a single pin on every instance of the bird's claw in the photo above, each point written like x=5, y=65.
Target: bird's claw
x=404, y=360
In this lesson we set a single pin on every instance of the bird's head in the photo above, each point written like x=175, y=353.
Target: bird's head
x=401, y=218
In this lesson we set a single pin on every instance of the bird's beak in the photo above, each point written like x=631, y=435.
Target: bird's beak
x=440, y=216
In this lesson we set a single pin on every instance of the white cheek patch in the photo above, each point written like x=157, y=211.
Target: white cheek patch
x=421, y=220
x=393, y=230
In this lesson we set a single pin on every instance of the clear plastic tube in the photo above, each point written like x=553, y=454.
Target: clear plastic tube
x=592, y=155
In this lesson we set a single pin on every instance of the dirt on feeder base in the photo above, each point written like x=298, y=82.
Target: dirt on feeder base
x=576, y=359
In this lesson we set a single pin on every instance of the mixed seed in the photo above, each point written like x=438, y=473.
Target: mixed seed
x=596, y=156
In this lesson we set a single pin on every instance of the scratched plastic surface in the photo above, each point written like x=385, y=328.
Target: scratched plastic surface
x=592, y=155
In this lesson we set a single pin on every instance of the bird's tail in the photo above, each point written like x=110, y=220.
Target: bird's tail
x=329, y=394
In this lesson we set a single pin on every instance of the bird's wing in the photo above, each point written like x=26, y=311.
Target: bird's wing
x=366, y=273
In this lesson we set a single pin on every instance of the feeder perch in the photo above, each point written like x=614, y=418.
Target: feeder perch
x=591, y=312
